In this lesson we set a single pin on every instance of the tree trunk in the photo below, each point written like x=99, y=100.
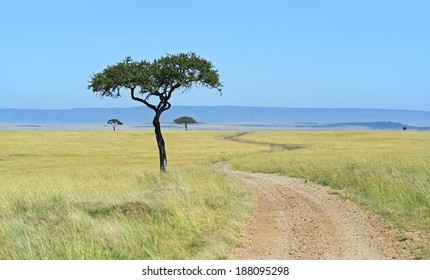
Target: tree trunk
x=160, y=143
x=186, y=128
x=113, y=128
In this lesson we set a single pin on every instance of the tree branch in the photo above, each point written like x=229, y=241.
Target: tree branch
x=142, y=100
x=166, y=106
x=175, y=86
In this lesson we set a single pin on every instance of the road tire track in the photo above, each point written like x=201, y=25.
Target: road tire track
x=299, y=220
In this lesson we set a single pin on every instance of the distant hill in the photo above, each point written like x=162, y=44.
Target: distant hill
x=232, y=115
x=371, y=125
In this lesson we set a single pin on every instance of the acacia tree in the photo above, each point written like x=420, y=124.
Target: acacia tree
x=114, y=123
x=153, y=83
x=185, y=121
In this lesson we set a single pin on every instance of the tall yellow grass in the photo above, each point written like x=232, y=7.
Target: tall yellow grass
x=99, y=195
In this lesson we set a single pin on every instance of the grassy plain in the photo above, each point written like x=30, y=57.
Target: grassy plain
x=386, y=172
x=99, y=194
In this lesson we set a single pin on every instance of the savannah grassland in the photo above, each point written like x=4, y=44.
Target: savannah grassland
x=99, y=194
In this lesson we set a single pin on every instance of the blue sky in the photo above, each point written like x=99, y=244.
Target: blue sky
x=325, y=54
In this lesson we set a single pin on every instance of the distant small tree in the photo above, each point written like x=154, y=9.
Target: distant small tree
x=114, y=123
x=405, y=128
x=185, y=121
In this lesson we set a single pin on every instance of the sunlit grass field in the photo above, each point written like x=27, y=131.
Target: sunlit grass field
x=99, y=194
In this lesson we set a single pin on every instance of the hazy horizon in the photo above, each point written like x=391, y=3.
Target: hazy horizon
x=237, y=115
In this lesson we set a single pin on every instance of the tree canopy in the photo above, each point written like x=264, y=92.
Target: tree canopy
x=185, y=121
x=158, y=78
x=114, y=123
x=153, y=83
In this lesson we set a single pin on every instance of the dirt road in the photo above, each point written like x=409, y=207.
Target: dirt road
x=295, y=219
